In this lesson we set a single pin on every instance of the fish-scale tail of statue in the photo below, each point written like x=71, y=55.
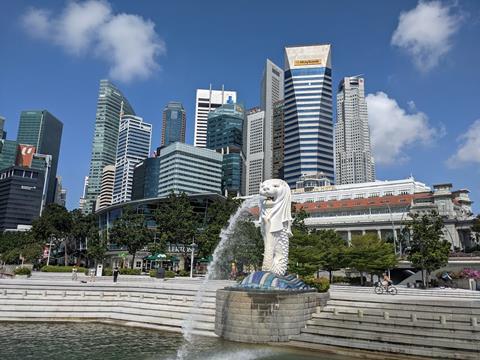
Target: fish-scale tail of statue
x=280, y=253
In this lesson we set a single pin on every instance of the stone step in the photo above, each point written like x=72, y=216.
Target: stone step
x=88, y=305
x=395, y=328
x=348, y=313
x=174, y=301
x=408, y=340
x=452, y=307
x=307, y=340
x=75, y=289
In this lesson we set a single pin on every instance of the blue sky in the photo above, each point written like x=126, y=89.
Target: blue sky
x=420, y=61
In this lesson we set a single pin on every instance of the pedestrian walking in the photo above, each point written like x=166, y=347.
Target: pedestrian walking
x=115, y=274
x=92, y=274
x=74, y=274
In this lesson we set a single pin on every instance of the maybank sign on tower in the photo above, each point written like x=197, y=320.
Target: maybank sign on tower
x=308, y=112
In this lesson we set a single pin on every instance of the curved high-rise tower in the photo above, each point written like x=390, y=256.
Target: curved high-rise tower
x=111, y=105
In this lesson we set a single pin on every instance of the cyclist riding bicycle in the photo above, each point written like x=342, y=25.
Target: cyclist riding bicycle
x=386, y=282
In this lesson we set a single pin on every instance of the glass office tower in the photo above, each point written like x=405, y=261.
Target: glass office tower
x=224, y=135
x=44, y=131
x=174, y=123
x=308, y=112
x=111, y=105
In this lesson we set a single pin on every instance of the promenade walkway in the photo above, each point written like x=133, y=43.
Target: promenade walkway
x=133, y=301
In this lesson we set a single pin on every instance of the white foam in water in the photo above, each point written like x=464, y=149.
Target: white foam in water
x=213, y=272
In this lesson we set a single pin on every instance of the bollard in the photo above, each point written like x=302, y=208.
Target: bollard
x=142, y=296
x=64, y=294
x=119, y=295
x=101, y=294
x=83, y=293
x=335, y=311
x=169, y=298
x=474, y=321
x=443, y=319
x=184, y=299
x=386, y=315
x=414, y=317
x=5, y=292
x=24, y=293
x=360, y=313
x=44, y=293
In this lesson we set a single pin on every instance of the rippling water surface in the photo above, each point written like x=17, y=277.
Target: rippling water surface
x=88, y=341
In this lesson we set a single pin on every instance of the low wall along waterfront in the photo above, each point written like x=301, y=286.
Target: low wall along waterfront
x=442, y=324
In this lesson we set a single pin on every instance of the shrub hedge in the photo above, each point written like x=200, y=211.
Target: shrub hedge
x=321, y=284
x=23, y=271
x=62, y=269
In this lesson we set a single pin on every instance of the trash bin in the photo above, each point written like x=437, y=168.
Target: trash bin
x=160, y=273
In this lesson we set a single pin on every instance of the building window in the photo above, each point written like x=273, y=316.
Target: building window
x=403, y=192
x=359, y=196
x=373, y=195
x=388, y=193
x=138, y=264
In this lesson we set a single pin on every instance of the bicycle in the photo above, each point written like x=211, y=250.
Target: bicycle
x=380, y=289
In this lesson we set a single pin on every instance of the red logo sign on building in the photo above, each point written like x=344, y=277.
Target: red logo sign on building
x=25, y=155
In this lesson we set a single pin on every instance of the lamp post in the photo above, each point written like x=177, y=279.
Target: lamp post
x=192, y=256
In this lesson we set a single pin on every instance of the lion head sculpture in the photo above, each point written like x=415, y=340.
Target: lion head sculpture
x=275, y=205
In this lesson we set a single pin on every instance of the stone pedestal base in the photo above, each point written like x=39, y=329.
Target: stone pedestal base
x=256, y=316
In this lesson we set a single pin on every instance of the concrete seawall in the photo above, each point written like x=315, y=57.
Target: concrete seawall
x=153, y=303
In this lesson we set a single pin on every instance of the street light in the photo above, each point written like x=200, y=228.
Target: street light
x=193, y=245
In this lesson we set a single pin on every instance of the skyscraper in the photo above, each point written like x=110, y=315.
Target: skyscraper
x=134, y=140
x=189, y=169
x=44, y=131
x=225, y=128
x=208, y=100
x=308, y=112
x=83, y=199
x=271, y=92
x=174, y=123
x=278, y=140
x=111, y=105
x=146, y=179
x=353, y=155
x=106, y=187
x=253, y=151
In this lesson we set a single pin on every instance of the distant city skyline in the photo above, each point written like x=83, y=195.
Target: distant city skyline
x=434, y=137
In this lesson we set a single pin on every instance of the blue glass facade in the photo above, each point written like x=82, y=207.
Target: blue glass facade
x=174, y=123
x=44, y=131
x=308, y=113
x=146, y=177
x=224, y=134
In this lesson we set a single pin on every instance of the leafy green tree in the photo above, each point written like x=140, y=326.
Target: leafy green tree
x=370, y=254
x=299, y=215
x=177, y=223
x=247, y=250
x=333, y=250
x=429, y=251
x=131, y=231
x=97, y=245
x=215, y=219
x=54, y=226
x=17, y=245
x=304, y=256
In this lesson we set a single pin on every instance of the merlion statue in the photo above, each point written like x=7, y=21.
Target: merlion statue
x=275, y=222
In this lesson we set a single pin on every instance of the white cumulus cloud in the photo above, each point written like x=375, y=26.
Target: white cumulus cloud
x=469, y=149
x=127, y=42
x=426, y=32
x=394, y=130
